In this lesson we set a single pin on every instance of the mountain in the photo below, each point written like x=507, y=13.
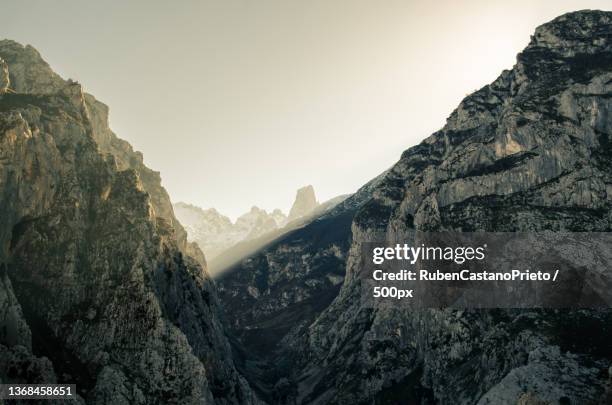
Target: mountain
x=219, y=238
x=100, y=287
x=305, y=203
x=215, y=233
x=257, y=222
x=210, y=230
x=529, y=152
x=5, y=79
x=98, y=284
x=247, y=247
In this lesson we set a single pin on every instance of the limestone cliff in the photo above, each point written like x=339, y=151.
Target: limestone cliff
x=98, y=286
x=305, y=203
x=215, y=233
x=529, y=152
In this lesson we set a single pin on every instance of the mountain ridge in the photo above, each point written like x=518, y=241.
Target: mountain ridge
x=225, y=242
x=528, y=152
x=99, y=285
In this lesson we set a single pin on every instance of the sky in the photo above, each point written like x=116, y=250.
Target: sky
x=241, y=102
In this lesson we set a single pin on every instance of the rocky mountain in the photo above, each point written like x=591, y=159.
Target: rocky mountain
x=217, y=236
x=529, y=152
x=99, y=286
x=215, y=233
x=305, y=203
x=247, y=247
x=210, y=230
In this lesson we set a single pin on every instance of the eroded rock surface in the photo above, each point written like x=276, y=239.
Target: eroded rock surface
x=98, y=285
x=305, y=203
x=215, y=233
x=529, y=152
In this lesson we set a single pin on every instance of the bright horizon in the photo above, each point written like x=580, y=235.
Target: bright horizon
x=239, y=103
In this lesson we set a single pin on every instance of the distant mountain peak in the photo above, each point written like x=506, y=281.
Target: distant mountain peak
x=215, y=233
x=305, y=202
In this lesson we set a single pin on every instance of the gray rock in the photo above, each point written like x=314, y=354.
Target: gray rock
x=529, y=152
x=97, y=276
x=305, y=202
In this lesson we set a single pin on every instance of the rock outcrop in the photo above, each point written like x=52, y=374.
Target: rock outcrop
x=304, y=204
x=529, y=152
x=98, y=285
x=285, y=285
x=215, y=233
x=226, y=243
x=209, y=229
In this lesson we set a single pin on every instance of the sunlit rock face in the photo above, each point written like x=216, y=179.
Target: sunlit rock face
x=529, y=152
x=305, y=202
x=271, y=296
x=98, y=285
x=217, y=236
x=208, y=228
x=215, y=233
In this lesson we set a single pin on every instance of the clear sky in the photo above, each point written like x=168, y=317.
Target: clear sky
x=240, y=102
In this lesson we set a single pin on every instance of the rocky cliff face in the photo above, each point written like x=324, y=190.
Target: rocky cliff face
x=98, y=285
x=209, y=229
x=529, y=152
x=284, y=286
x=225, y=243
x=305, y=203
x=215, y=233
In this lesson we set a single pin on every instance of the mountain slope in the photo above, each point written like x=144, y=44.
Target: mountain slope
x=284, y=285
x=99, y=287
x=209, y=229
x=251, y=232
x=225, y=242
x=305, y=203
x=529, y=152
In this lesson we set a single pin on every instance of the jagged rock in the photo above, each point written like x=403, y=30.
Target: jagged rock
x=285, y=286
x=215, y=233
x=549, y=377
x=246, y=248
x=211, y=230
x=529, y=152
x=29, y=72
x=225, y=243
x=255, y=223
x=279, y=217
x=305, y=203
x=99, y=287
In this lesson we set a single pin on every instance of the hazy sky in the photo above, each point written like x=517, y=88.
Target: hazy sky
x=240, y=102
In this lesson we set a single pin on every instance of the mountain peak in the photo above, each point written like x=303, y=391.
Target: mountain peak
x=305, y=202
